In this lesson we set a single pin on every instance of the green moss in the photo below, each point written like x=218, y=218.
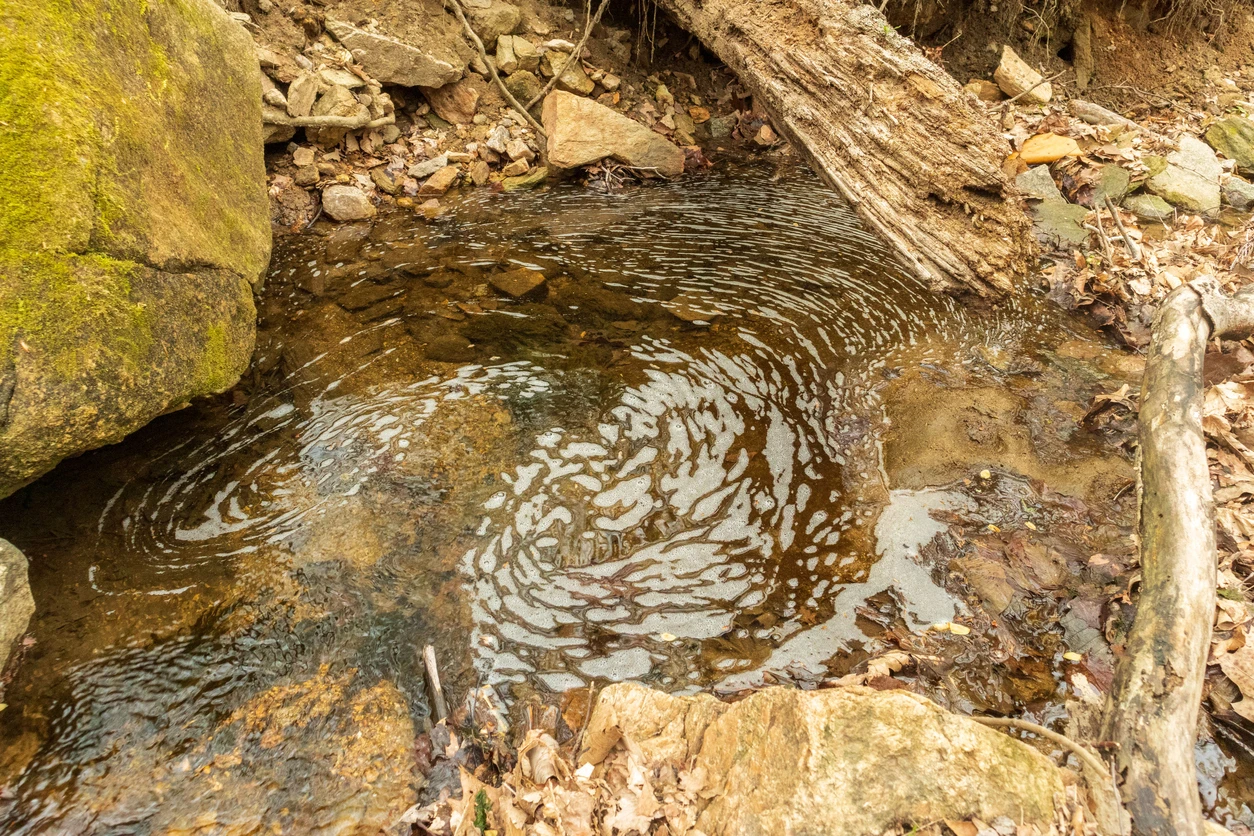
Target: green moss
x=217, y=371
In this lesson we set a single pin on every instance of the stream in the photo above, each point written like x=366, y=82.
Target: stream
x=726, y=443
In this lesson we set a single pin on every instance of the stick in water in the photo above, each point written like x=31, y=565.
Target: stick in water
x=439, y=706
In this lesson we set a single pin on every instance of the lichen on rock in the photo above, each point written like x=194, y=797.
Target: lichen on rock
x=133, y=218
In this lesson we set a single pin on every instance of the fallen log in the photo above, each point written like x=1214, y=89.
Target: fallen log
x=1153, y=707
x=919, y=159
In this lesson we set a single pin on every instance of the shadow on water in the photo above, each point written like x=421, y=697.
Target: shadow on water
x=724, y=444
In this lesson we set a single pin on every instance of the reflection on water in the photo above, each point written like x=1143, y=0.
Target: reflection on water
x=666, y=465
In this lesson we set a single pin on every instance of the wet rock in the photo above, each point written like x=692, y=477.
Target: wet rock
x=1038, y=184
x=455, y=103
x=1233, y=137
x=440, y=182
x=1048, y=148
x=691, y=309
x=1059, y=223
x=519, y=284
x=524, y=86
x=525, y=181
x=450, y=348
x=301, y=94
x=580, y=132
x=134, y=225
x=1149, y=207
x=431, y=63
x=346, y=203
x=17, y=604
x=857, y=760
x=573, y=78
x=345, y=243
x=1238, y=193
x=493, y=18
x=428, y=167
x=1015, y=77
x=1190, y=178
x=984, y=90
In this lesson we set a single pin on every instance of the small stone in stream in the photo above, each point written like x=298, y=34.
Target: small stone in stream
x=506, y=60
x=685, y=124
x=765, y=137
x=301, y=94
x=1113, y=181
x=527, y=181
x=984, y=90
x=610, y=82
x=386, y=181
x=479, y=172
x=519, y=284
x=428, y=167
x=518, y=150
x=345, y=243
x=306, y=175
x=580, y=132
x=440, y=182
x=346, y=203
x=454, y=103
x=573, y=79
x=1038, y=184
x=691, y=309
x=1016, y=78
x=1059, y=224
x=1238, y=193
x=302, y=157
x=516, y=169
x=1196, y=156
x=493, y=19
x=1233, y=137
x=498, y=140
x=450, y=348
x=431, y=209
x=523, y=86
x=1048, y=148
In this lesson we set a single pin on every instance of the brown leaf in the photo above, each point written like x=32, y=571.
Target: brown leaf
x=1239, y=667
x=962, y=828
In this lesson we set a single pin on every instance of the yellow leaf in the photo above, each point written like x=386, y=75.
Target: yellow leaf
x=993, y=528
x=986, y=474
x=1072, y=656
x=959, y=629
x=1030, y=525
x=667, y=637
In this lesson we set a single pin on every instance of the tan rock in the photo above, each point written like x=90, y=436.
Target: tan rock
x=581, y=131
x=506, y=60
x=857, y=760
x=1015, y=77
x=301, y=94
x=16, y=603
x=984, y=90
x=431, y=61
x=527, y=54
x=455, y=103
x=516, y=169
x=573, y=79
x=440, y=182
x=1048, y=148
x=303, y=156
x=479, y=172
x=519, y=284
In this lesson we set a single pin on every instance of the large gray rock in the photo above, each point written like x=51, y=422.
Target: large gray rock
x=1234, y=138
x=16, y=603
x=1059, y=224
x=581, y=131
x=133, y=223
x=431, y=62
x=1038, y=184
x=1190, y=178
x=843, y=762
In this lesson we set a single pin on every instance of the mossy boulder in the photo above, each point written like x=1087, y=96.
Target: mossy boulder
x=1234, y=138
x=133, y=218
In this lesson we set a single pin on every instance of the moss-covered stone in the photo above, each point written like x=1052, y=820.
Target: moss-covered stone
x=133, y=218
x=1234, y=138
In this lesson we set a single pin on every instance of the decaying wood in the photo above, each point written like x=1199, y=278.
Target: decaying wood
x=917, y=157
x=1152, y=714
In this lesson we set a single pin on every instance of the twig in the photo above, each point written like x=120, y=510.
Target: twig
x=1133, y=249
x=1016, y=98
x=574, y=56
x=433, y=679
x=483, y=53
x=1065, y=742
x=1101, y=234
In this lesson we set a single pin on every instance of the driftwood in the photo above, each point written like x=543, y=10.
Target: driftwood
x=1153, y=709
x=439, y=706
x=919, y=159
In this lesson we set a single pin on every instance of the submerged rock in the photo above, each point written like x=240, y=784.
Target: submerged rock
x=581, y=131
x=132, y=225
x=16, y=603
x=853, y=759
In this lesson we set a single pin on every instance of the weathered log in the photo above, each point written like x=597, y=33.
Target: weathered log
x=1153, y=708
x=917, y=157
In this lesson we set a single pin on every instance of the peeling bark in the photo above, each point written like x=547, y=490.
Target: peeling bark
x=919, y=159
x=1152, y=714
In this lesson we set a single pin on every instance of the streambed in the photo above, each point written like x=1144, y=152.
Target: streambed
x=726, y=443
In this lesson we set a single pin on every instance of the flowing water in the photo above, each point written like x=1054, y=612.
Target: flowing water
x=711, y=451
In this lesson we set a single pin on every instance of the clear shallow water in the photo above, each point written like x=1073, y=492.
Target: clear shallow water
x=668, y=466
